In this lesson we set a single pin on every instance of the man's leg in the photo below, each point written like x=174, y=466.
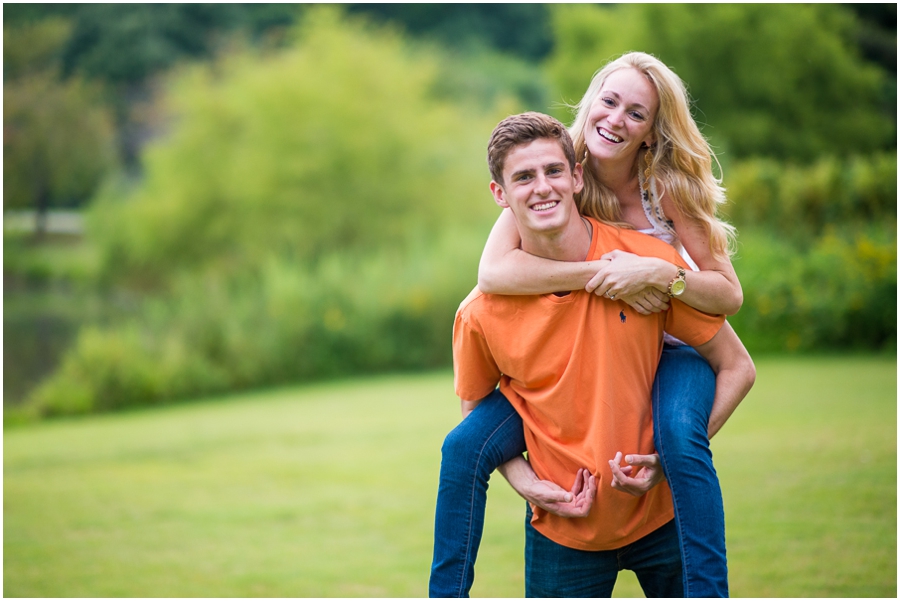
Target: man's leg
x=656, y=560
x=683, y=395
x=489, y=436
x=553, y=570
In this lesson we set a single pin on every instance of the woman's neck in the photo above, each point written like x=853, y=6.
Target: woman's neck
x=620, y=177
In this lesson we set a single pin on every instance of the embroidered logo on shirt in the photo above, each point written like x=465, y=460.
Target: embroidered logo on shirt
x=622, y=316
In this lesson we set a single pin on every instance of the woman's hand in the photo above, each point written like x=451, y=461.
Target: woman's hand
x=647, y=301
x=627, y=275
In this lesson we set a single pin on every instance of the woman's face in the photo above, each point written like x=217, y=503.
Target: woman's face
x=621, y=117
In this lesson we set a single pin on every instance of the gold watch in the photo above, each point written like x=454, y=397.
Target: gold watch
x=677, y=285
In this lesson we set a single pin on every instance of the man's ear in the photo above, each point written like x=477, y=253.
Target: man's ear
x=499, y=195
x=578, y=176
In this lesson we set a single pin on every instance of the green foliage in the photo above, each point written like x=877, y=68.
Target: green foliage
x=780, y=80
x=521, y=30
x=33, y=46
x=127, y=43
x=818, y=252
x=840, y=293
x=282, y=323
x=336, y=144
x=57, y=142
x=799, y=201
x=315, y=211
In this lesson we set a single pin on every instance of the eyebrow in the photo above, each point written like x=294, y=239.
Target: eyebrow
x=515, y=174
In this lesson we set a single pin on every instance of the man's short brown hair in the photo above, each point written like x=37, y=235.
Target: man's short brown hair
x=522, y=129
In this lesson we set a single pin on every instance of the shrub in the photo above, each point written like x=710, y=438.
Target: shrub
x=840, y=294
x=800, y=202
x=283, y=323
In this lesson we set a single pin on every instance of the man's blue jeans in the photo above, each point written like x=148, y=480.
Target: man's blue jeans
x=554, y=570
x=492, y=434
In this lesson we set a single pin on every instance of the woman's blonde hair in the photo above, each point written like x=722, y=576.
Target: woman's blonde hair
x=682, y=158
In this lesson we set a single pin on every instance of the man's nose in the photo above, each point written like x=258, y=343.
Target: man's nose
x=542, y=185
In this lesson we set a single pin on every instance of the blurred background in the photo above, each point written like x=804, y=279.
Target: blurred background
x=206, y=199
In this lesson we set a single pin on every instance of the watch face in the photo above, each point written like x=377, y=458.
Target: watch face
x=677, y=287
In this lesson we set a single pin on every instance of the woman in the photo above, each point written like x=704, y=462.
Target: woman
x=647, y=167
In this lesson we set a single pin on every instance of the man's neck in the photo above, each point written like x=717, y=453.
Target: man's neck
x=572, y=243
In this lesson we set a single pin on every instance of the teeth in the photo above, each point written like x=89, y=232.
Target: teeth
x=609, y=136
x=544, y=206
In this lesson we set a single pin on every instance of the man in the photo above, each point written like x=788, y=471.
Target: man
x=578, y=369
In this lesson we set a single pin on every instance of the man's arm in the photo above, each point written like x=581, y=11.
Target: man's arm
x=575, y=503
x=735, y=374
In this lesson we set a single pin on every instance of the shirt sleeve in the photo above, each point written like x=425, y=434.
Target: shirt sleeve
x=691, y=326
x=475, y=372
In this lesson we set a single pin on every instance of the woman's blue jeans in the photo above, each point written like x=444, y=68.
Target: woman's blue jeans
x=492, y=434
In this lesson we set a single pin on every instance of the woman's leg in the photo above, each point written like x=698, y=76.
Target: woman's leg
x=489, y=436
x=682, y=400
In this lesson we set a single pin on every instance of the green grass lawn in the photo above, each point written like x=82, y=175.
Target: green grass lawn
x=329, y=491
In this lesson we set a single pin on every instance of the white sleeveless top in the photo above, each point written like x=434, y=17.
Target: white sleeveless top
x=663, y=229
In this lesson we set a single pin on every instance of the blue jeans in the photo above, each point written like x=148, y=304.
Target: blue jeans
x=683, y=395
x=489, y=436
x=492, y=434
x=554, y=570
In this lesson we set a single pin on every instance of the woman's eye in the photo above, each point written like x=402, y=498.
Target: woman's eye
x=637, y=115
x=609, y=102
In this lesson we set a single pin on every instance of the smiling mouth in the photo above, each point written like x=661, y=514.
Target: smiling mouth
x=545, y=206
x=608, y=136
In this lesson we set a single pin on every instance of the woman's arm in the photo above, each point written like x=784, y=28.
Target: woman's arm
x=507, y=269
x=735, y=374
x=714, y=289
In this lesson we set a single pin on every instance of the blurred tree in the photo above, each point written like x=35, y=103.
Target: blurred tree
x=877, y=33
x=521, y=30
x=337, y=144
x=57, y=136
x=57, y=143
x=126, y=45
x=784, y=80
x=34, y=46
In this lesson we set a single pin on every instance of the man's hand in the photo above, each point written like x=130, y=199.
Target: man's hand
x=554, y=499
x=636, y=482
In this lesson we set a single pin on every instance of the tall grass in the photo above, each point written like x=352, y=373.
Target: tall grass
x=328, y=490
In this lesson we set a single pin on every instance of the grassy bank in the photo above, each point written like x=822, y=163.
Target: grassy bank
x=328, y=490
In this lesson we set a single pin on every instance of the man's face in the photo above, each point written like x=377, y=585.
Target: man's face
x=538, y=186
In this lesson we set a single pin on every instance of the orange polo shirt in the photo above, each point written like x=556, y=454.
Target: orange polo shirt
x=579, y=370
